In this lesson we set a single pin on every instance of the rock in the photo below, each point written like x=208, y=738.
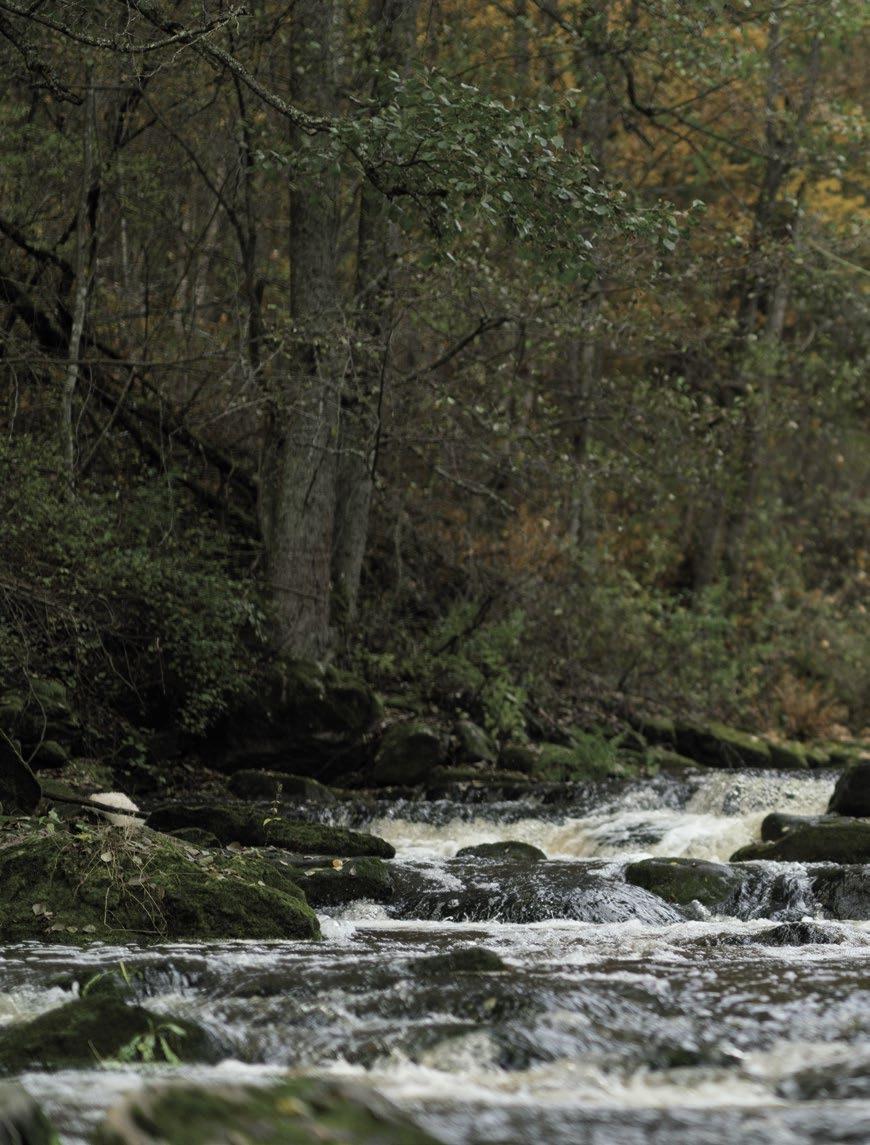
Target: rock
x=517, y=757
x=237, y=824
x=345, y=882
x=823, y=841
x=843, y=892
x=778, y=823
x=685, y=881
x=407, y=755
x=196, y=836
x=852, y=791
x=802, y=933
x=49, y=753
x=474, y=743
x=296, y=1112
x=305, y=719
x=510, y=849
x=19, y=788
x=718, y=745
x=94, y=1029
x=276, y=785
x=22, y=1122
x=842, y=1081
x=82, y=882
x=468, y=960
x=788, y=756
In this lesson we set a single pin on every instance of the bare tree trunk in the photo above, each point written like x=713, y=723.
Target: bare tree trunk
x=393, y=22
x=85, y=259
x=301, y=435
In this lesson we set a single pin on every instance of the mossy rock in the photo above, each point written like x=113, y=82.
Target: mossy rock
x=779, y=823
x=275, y=785
x=511, y=850
x=407, y=754
x=80, y=882
x=657, y=730
x=518, y=757
x=296, y=1112
x=20, y=791
x=823, y=841
x=238, y=824
x=684, y=881
x=350, y=881
x=22, y=1121
x=663, y=759
x=718, y=745
x=100, y=1028
x=467, y=960
x=592, y=758
x=788, y=756
x=852, y=791
x=474, y=743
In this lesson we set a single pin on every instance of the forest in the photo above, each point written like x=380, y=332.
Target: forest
x=511, y=355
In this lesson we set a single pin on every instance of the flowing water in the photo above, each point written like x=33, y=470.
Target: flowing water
x=619, y=1018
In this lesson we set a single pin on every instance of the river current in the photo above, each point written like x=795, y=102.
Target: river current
x=619, y=1019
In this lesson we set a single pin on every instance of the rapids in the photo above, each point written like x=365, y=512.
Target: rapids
x=619, y=1019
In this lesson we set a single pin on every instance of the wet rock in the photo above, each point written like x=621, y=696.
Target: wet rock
x=686, y=881
x=275, y=785
x=823, y=841
x=467, y=960
x=801, y=933
x=718, y=745
x=517, y=757
x=82, y=882
x=94, y=1029
x=843, y=892
x=845, y=1081
x=788, y=756
x=509, y=849
x=852, y=791
x=345, y=881
x=305, y=719
x=778, y=823
x=238, y=824
x=22, y=1122
x=407, y=755
x=296, y=1112
x=19, y=788
x=474, y=743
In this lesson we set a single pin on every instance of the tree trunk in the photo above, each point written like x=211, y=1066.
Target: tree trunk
x=301, y=434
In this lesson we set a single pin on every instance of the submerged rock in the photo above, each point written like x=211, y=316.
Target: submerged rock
x=821, y=841
x=407, y=755
x=852, y=791
x=275, y=785
x=83, y=882
x=685, y=881
x=345, y=881
x=98, y=1028
x=22, y=1122
x=297, y=1112
x=509, y=849
x=236, y=823
x=467, y=960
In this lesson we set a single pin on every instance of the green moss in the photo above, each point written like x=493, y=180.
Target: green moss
x=684, y=881
x=297, y=1112
x=355, y=879
x=588, y=757
x=788, y=755
x=510, y=849
x=94, y=1029
x=718, y=745
x=80, y=882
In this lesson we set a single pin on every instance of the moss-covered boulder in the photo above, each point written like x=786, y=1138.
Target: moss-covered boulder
x=684, y=881
x=788, y=756
x=22, y=1121
x=718, y=745
x=407, y=754
x=474, y=743
x=779, y=823
x=852, y=791
x=823, y=841
x=276, y=786
x=305, y=719
x=19, y=788
x=99, y=1028
x=236, y=823
x=80, y=881
x=296, y=1112
x=466, y=960
x=517, y=757
x=511, y=850
x=344, y=881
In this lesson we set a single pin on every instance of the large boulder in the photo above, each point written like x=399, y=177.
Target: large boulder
x=90, y=1030
x=474, y=743
x=717, y=745
x=407, y=755
x=852, y=791
x=684, y=881
x=779, y=823
x=344, y=881
x=296, y=1112
x=22, y=1122
x=85, y=881
x=510, y=849
x=305, y=719
x=276, y=786
x=816, y=841
x=232, y=823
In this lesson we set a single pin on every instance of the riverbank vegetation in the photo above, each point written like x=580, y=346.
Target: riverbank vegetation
x=508, y=356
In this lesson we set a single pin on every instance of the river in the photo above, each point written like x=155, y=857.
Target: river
x=619, y=1019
